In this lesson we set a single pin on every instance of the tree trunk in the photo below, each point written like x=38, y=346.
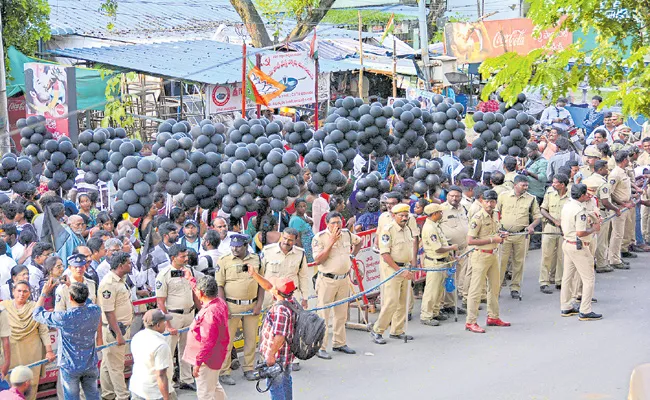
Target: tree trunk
x=307, y=24
x=253, y=22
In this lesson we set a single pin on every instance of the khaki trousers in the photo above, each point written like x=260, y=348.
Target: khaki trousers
x=328, y=291
x=602, y=242
x=249, y=325
x=581, y=263
x=180, y=321
x=111, y=373
x=616, y=238
x=550, y=272
x=514, y=246
x=485, y=266
x=459, y=279
x=434, y=290
x=468, y=280
x=630, y=229
x=393, y=303
x=645, y=223
x=208, y=386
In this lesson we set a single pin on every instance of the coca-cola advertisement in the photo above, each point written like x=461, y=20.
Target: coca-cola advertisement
x=16, y=108
x=475, y=42
x=50, y=92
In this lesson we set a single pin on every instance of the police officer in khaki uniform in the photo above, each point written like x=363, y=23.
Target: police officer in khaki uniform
x=114, y=298
x=436, y=254
x=629, y=242
x=519, y=212
x=454, y=225
x=510, y=166
x=621, y=196
x=396, y=250
x=333, y=249
x=578, y=258
x=174, y=296
x=484, y=235
x=242, y=294
x=475, y=208
x=497, y=180
x=591, y=155
x=550, y=271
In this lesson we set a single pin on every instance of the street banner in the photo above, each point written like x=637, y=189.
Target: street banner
x=477, y=41
x=225, y=98
x=296, y=72
x=16, y=111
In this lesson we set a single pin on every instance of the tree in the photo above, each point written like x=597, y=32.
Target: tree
x=620, y=28
x=24, y=22
x=437, y=10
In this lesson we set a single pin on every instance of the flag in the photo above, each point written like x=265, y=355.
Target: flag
x=313, y=47
x=53, y=232
x=260, y=87
x=390, y=27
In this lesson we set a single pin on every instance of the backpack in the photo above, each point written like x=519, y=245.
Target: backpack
x=308, y=332
x=210, y=269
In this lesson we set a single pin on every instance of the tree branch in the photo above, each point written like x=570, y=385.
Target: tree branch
x=306, y=25
x=254, y=24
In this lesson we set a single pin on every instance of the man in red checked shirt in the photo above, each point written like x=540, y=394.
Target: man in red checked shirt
x=208, y=338
x=277, y=331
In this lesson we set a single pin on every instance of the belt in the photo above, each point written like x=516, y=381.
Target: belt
x=492, y=251
x=181, y=311
x=435, y=259
x=242, y=302
x=334, y=276
x=575, y=243
x=519, y=231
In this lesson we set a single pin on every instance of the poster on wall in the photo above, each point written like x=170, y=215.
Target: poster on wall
x=50, y=91
x=296, y=72
x=16, y=111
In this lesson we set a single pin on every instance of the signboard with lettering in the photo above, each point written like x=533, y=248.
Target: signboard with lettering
x=16, y=111
x=225, y=98
x=477, y=41
x=296, y=72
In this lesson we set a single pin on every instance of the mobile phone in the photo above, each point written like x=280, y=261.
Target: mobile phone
x=177, y=274
x=244, y=268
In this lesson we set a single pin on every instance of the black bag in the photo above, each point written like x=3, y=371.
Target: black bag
x=308, y=332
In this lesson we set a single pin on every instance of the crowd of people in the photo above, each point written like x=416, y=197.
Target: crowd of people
x=67, y=264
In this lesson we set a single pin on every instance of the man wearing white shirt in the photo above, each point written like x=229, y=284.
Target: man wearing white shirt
x=41, y=251
x=9, y=233
x=210, y=252
x=557, y=116
x=6, y=264
x=111, y=246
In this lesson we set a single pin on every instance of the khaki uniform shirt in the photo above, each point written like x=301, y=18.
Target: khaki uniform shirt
x=476, y=207
x=553, y=203
x=62, y=294
x=604, y=192
x=113, y=295
x=517, y=212
x=338, y=262
x=398, y=242
x=644, y=159
x=176, y=289
x=433, y=239
x=238, y=284
x=454, y=224
x=5, y=331
x=501, y=188
x=509, y=180
x=466, y=201
x=292, y=265
x=585, y=172
x=621, y=185
x=574, y=218
x=483, y=226
x=386, y=217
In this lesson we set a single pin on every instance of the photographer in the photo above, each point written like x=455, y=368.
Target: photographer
x=277, y=329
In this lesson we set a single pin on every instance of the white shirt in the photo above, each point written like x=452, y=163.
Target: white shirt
x=102, y=269
x=224, y=246
x=35, y=277
x=17, y=251
x=151, y=353
x=6, y=264
x=4, y=292
x=214, y=254
x=552, y=112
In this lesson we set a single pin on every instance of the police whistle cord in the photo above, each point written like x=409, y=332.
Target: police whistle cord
x=100, y=348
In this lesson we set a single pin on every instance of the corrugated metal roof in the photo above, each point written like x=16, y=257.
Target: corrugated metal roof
x=204, y=61
x=326, y=49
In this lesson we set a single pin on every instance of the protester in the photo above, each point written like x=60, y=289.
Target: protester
x=22, y=384
x=18, y=273
x=53, y=271
x=303, y=224
x=5, y=346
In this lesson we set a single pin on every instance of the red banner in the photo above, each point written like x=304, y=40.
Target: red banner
x=16, y=109
x=477, y=41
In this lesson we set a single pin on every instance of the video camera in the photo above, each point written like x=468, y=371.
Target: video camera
x=263, y=371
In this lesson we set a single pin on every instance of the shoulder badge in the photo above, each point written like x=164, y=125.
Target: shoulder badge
x=605, y=190
x=106, y=294
x=473, y=225
x=57, y=299
x=612, y=181
x=434, y=238
x=158, y=284
x=385, y=238
x=583, y=217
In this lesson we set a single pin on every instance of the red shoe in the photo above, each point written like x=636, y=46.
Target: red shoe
x=497, y=322
x=474, y=328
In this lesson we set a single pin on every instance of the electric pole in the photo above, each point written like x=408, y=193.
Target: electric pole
x=424, y=42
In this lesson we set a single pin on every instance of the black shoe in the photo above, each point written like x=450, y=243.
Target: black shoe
x=377, y=338
x=235, y=364
x=401, y=336
x=570, y=313
x=483, y=301
x=344, y=349
x=627, y=254
x=430, y=322
x=252, y=376
x=621, y=266
x=410, y=316
x=462, y=311
x=546, y=289
x=535, y=247
x=295, y=366
x=440, y=317
x=324, y=355
x=508, y=276
x=592, y=316
x=604, y=269
x=188, y=386
x=558, y=286
x=515, y=294
x=593, y=299
x=227, y=380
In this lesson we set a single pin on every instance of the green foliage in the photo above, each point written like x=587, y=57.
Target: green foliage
x=117, y=101
x=109, y=8
x=620, y=28
x=24, y=22
x=369, y=17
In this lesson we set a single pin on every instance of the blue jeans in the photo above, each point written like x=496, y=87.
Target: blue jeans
x=87, y=380
x=637, y=229
x=282, y=385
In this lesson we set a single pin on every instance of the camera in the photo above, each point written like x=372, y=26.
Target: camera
x=244, y=268
x=176, y=274
x=263, y=371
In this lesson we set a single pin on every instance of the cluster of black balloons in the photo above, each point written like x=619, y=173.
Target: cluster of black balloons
x=120, y=149
x=280, y=169
x=16, y=173
x=374, y=129
x=488, y=126
x=427, y=173
x=172, y=155
x=371, y=186
x=135, y=182
x=408, y=128
x=209, y=137
x=342, y=134
x=447, y=131
x=518, y=105
x=244, y=131
x=203, y=179
x=238, y=185
x=515, y=133
x=60, y=167
x=33, y=135
x=325, y=166
x=298, y=135
x=94, y=148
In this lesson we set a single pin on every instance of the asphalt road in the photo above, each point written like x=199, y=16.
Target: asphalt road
x=541, y=356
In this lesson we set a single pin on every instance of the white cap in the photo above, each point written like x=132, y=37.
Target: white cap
x=21, y=374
